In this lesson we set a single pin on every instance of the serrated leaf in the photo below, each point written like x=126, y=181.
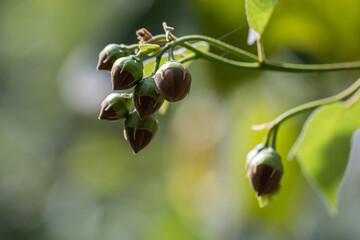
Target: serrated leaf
x=178, y=55
x=259, y=12
x=323, y=148
x=149, y=49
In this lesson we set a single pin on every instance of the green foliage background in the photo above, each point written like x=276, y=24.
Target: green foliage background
x=66, y=175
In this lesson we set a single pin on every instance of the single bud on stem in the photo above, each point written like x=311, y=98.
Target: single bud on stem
x=173, y=81
x=126, y=72
x=146, y=100
x=109, y=54
x=265, y=171
x=139, y=132
x=115, y=106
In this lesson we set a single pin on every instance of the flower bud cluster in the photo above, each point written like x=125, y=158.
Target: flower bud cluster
x=171, y=82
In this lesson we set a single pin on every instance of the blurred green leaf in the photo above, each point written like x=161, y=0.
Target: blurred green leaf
x=178, y=54
x=149, y=49
x=323, y=147
x=259, y=13
x=164, y=107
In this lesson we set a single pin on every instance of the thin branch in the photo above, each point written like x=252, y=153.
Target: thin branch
x=309, y=106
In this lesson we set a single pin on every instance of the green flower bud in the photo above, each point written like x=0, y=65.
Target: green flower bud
x=139, y=132
x=265, y=171
x=115, y=106
x=146, y=100
x=126, y=72
x=109, y=54
x=173, y=81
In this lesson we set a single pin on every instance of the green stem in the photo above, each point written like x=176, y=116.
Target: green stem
x=156, y=65
x=171, y=54
x=211, y=56
x=314, y=104
x=159, y=55
x=260, y=50
x=354, y=98
x=218, y=44
x=216, y=58
x=292, y=67
x=273, y=142
x=267, y=138
x=266, y=64
x=255, y=64
x=132, y=47
x=158, y=39
x=277, y=66
x=187, y=59
x=140, y=54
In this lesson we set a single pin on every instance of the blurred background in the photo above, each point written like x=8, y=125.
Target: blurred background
x=65, y=175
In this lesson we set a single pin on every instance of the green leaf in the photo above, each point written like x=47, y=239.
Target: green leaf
x=259, y=13
x=323, y=148
x=164, y=107
x=149, y=49
x=178, y=54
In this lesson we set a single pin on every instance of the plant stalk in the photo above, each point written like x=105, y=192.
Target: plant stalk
x=310, y=105
x=255, y=62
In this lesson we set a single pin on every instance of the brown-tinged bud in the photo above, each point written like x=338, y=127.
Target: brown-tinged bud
x=139, y=132
x=126, y=72
x=115, y=106
x=146, y=100
x=109, y=54
x=143, y=35
x=265, y=171
x=173, y=81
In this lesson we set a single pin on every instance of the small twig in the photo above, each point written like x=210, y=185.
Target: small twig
x=311, y=105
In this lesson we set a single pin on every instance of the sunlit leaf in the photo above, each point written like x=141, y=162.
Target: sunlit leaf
x=259, y=13
x=323, y=148
x=149, y=49
x=178, y=54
